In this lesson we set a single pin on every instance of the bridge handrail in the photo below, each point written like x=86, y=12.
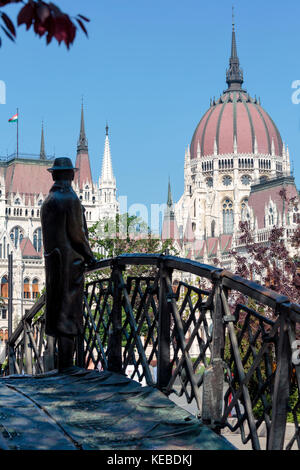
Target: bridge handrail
x=170, y=317
x=232, y=281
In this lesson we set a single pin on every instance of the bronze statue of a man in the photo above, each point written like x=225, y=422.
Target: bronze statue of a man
x=67, y=251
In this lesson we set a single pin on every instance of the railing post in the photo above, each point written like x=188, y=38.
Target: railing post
x=213, y=379
x=79, y=345
x=49, y=354
x=11, y=358
x=164, y=371
x=281, y=386
x=115, y=335
x=27, y=351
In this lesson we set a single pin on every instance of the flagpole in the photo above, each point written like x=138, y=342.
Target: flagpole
x=17, y=133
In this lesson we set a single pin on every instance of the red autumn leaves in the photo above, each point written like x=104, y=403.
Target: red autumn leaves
x=46, y=19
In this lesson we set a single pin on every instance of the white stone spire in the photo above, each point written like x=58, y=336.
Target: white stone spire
x=107, y=184
x=107, y=175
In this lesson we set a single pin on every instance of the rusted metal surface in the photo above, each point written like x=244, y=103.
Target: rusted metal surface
x=233, y=359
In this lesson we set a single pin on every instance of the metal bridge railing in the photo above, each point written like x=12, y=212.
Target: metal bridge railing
x=222, y=341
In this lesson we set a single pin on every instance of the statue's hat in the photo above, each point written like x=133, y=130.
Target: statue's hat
x=62, y=163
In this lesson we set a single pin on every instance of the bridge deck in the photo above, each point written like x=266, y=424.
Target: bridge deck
x=88, y=410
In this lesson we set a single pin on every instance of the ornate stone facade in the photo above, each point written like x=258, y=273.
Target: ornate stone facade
x=234, y=170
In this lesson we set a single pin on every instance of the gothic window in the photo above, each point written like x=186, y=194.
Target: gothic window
x=209, y=182
x=16, y=236
x=193, y=226
x=17, y=202
x=40, y=202
x=228, y=217
x=37, y=239
x=195, y=207
x=26, y=289
x=213, y=226
x=35, y=288
x=246, y=179
x=4, y=287
x=227, y=180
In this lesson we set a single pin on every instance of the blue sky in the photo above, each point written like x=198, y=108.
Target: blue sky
x=149, y=68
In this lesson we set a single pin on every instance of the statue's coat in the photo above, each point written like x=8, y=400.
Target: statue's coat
x=67, y=249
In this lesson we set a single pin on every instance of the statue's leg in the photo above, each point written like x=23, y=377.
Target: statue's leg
x=66, y=347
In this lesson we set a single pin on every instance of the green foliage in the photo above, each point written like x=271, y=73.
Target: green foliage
x=126, y=234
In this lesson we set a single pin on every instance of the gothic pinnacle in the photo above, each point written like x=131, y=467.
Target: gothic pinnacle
x=42, y=148
x=82, y=141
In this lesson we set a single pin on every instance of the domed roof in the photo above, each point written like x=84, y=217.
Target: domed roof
x=236, y=116
x=235, y=120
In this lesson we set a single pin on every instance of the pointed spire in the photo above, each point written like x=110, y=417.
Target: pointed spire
x=234, y=75
x=234, y=145
x=42, y=149
x=169, y=227
x=107, y=170
x=82, y=141
x=170, y=201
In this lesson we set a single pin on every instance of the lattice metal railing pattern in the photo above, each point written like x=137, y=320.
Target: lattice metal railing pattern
x=224, y=342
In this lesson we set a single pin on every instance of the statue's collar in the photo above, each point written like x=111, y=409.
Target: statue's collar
x=62, y=186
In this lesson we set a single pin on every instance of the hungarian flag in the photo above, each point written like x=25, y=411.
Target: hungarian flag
x=14, y=118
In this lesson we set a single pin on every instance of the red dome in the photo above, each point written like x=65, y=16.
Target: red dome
x=236, y=114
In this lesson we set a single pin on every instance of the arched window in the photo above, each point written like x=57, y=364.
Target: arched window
x=4, y=287
x=213, y=226
x=37, y=239
x=209, y=182
x=17, y=201
x=16, y=236
x=296, y=215
x=228, y=217
x=40, y=202
x=26, y=288
x=35, y=288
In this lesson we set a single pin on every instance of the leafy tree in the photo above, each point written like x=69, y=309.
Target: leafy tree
x=46, y=18
x=127, y=234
